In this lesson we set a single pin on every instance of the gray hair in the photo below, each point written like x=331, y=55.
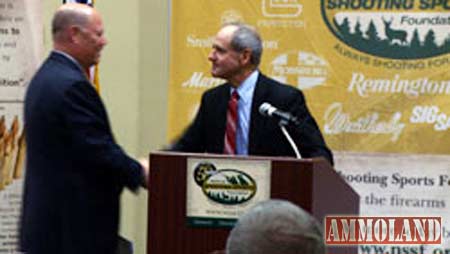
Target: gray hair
x=276, y=227
x=245, y=37
x=66, y=17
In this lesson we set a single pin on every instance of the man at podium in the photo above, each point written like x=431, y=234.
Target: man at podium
x=228, y=120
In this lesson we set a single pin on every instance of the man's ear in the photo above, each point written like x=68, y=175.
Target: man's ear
x=246, y=56
x=74, y=33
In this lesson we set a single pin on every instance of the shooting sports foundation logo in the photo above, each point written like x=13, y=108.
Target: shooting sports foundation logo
x=224, y=186
x=395, y=29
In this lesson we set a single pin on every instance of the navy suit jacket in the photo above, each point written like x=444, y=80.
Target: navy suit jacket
x=75, y=171
x=206, y=133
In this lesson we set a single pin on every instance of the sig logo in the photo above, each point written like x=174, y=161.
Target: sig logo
x=224, y=186
x=405, y=29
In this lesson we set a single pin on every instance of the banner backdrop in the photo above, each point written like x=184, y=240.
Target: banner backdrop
x=376, y=77
x=20, y=53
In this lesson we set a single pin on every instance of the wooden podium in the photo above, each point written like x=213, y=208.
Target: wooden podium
x=310, y=183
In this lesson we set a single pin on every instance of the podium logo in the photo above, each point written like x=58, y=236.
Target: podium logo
x=391, y=29
x=343, y=230
x=224, y=186
x=281, y=8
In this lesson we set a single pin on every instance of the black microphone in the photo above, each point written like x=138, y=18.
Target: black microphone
x=268, y=110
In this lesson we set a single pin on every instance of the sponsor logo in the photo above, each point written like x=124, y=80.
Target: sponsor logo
x=231, y=16
x=193, y=41
x=430, y=115
x=412, y=88
x=348, y=230
x=200, y=80
x=303, y=69
x=281, y=8
x=281, y=13
x=224, y=186
x=403, y=29
x=338, y=122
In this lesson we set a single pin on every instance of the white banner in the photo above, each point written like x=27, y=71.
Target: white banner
x=21, y=47
x=400, y=185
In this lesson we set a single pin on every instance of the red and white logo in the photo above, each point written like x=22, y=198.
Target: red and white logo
x=348, y=230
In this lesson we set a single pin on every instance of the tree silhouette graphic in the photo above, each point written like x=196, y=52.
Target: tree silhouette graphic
x=395, y=44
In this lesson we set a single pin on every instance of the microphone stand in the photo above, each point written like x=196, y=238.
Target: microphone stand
x=283, y=125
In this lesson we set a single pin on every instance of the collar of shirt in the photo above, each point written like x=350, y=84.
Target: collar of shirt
x=70, y=58
x=246, y=89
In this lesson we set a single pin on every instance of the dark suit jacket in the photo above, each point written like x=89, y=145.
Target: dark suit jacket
x=75, y=171
x=206, y=133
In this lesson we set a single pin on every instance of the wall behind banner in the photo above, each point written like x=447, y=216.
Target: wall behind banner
x=133, y=78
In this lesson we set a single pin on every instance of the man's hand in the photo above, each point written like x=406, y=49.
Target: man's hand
x=146, y=171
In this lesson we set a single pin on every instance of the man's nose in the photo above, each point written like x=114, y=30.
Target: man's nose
x=211, y=56
x=105, y=41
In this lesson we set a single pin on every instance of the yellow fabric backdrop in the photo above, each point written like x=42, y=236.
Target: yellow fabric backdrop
x=361, y=100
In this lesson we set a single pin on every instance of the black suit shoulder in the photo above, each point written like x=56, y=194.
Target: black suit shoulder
x=216, y=92
x=290, y=99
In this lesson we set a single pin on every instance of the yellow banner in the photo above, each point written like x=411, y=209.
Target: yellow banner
x=374, y=72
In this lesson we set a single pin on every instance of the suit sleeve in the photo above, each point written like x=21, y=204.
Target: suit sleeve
x=308, y=136
x=91, y=137
x=193, y=140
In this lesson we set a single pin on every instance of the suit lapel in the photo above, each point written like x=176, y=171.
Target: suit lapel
x=256, y=119
x=220, y=103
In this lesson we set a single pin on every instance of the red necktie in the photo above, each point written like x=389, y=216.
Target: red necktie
x=230, y=133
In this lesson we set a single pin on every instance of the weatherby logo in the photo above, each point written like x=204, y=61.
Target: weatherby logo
x=347, y=230
x=405, y=29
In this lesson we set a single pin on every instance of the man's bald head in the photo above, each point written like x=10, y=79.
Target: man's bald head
x=276, y=227
x=78, y=31
x=71, y=14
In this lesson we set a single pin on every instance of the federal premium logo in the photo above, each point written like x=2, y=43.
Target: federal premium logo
x=224, y=186
x=303, y=69
x=281, y=13
x=405, y=29
x=281, y=8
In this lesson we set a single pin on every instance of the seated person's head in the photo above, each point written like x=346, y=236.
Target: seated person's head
x=276, y=227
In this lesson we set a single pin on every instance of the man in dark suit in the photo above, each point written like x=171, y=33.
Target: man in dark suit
x=75, y=170
x=235, y=57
